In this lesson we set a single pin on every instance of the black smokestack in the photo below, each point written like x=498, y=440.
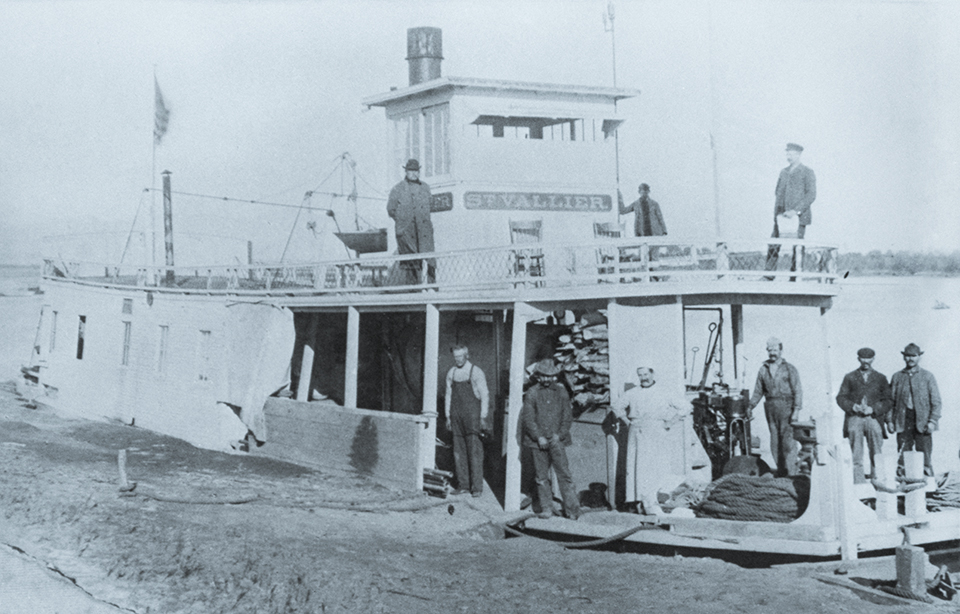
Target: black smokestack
x=424, y=53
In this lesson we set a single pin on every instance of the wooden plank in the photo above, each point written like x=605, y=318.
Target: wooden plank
x=352, y=357
x=518, y=356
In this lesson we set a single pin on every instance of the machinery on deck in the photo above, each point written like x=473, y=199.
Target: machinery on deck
x=721, y=419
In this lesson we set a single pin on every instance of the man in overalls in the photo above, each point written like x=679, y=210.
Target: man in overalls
x=466, y=407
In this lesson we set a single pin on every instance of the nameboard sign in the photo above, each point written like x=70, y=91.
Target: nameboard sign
x=441, y=202
x=537, y=201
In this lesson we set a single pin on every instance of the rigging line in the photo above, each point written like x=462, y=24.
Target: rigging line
x=132, y=226
x=261, y=202
x=306, y=197
x=369, y=185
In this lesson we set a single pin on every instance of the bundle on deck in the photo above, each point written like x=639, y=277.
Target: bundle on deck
x=759, y=498
x=583, y=352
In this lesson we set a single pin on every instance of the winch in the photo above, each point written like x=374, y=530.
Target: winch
x=721, y=419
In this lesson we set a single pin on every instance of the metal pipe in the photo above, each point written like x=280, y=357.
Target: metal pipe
x=168, y=228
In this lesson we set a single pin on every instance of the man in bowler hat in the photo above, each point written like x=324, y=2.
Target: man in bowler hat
x=865, y=399
x=916, y=407
x=409, y=206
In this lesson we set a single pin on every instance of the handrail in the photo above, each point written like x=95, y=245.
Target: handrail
x=533, y=265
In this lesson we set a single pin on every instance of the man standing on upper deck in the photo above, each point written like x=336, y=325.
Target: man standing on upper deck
x=916, y=407
x=779, y=382
x=795, y=192
x=409, y=206
x=647, y=221
x=865, y=399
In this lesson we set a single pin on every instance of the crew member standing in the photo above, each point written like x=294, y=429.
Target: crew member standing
x=779, y=382
x=409, y=206
x=795, y=192
x=647, y=221
x=466, y=407
x=650, y=412
x=546, y=417
x=916, y=407
x=865, y=399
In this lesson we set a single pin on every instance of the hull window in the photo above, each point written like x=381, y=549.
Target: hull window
x=162, y=348
x=53, y=331
x=125, y=359
x=81, y=329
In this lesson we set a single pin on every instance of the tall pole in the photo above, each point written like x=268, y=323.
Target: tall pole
x=608, y=19
x=153, y=189
x=713, y=123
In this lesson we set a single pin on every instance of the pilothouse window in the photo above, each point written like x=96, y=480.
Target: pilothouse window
x=537, y=128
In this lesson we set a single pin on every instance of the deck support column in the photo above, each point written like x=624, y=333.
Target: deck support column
x=518, y=358
x=352, y=358
x=306, y=363
x=431, y=370
x=736, y=330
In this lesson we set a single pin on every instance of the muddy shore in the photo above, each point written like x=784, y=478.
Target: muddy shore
x=298, y=545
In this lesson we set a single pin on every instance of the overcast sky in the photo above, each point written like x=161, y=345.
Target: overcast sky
x=265, y=96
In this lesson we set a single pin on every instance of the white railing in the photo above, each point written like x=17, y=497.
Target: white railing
x=537, y=265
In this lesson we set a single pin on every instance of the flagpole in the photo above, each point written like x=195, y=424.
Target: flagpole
x=153, y=184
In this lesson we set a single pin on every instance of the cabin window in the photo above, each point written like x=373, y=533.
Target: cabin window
x=425, y=136
x=536, y=128
x=162, y=348
x=128, y=305
x=203, y=356
x=53, y=331
x=125, y=358
x=81, y=330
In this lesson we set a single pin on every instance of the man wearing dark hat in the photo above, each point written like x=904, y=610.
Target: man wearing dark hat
x=795, y=192
x=916, y=407
x=865, y=399
x=409, y=206
x=648, y=221
x=546, y=418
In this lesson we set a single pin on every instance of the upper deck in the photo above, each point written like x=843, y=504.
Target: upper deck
x=498, y=276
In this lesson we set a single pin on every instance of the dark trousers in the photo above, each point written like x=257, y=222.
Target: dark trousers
x=773, y=251
x=911, y=438
x=555, y=456
x=467, y=452
x=783, y=446
x=468, y=461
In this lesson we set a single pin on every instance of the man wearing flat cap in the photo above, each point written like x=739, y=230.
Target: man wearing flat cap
x=865, y=399
x=546, y=418
x=916, y=407
x=779, y=383
x=795, y=192
x=409, y=206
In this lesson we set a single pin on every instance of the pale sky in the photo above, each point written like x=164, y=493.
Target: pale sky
x=265, y=96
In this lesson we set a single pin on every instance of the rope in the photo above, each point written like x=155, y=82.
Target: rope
x=758, y=498
x=906, y=594
x=594, y=543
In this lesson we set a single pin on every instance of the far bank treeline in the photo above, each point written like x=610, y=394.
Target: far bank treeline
x=899, y=263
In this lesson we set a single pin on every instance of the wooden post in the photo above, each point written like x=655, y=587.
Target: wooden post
x=353, y=357
x=885, y=465
x=306, y=364
x=518, y=357
x=431, y=369
x=168, y=229
x=616, y=386
x=736, y=330
x=915, y=501
x=250, y=260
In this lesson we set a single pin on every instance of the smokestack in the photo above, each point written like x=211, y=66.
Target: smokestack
x=424, y=53
x=168, y=227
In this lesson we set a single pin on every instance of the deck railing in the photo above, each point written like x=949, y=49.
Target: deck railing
x=541, y=265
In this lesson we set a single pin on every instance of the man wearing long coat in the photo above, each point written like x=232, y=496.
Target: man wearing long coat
x=795, y=192
x=409, y=206
x=916, y=407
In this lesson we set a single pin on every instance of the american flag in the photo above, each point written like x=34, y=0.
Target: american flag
x=161, y=115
